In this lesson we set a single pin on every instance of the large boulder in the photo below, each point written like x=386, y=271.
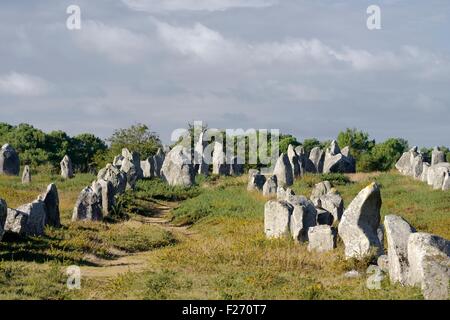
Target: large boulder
x=88, y=206
x=317, y=157
x=270, y=187
x=320, y=189
x=105, y=192
x=135, y=159
x=66, y=168
x=26, y=175
x=147, y=167
x=404, y=164
x=446, y=184
x=131, y=173
x=114, y=175
x=158, y=160
x=333, y=203
x=256, y=181
x=424, y=176
x=277, y=215
x=50, y=198
x=219, y=164
x=360, y=222
x=294, y=160
x=397, y=233
x=3, y=214
x=336, y=162
x=177, y=169
x=321, y=238
x=9, y=161
x=304, y=216
x=429, y=264
x=417, y=167
x=27, y=220
x=305, y=164
x=437, y=156
x=283, y=171
x=436, y=175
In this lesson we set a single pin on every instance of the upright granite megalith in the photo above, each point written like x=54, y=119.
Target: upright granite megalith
x=66, y=168
x=177, y=169
x=9, y=161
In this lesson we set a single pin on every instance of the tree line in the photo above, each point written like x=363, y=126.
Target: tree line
x=88, y=152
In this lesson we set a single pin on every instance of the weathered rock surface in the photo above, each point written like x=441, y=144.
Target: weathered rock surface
x=270, y=187
x=114, y=175
x=319, y=190
x=27, y=220
x=219, y=160
x=383, y=263
x=429, y=264
x=284, y=194
x=324, y=217
x=50, y=198
x=446, y=184
x=397, y=233
x=88, y=206
x=131, y=173
x=256, y=181
x=321, y=238
x=277, y=215
x=135, y=159
x=437, y=156
x=283, y=171
x=177, y=169
x=424, y=176
x=26, y=175
x=303, y=217
x=417, y=167
x=294, y=160
x=360, y=222
x=105, y=192
x=66, y=168
x=317, y=157
x=9, y=161
x=333, y=203
x=147, y=167
x=437, y=174
x=158, y=161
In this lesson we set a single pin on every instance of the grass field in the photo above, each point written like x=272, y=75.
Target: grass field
x=222, y=255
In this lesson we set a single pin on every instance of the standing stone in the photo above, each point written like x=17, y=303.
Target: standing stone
x=147, y=167
x=117, y=162
x=177, y=169
x=9, y=161
x=429, y=264
x=270, y=187
x=336, y=162
x=303, y=217
x=317, y=157
x=256, y=181
x=114, y=175
x=352, y=161
x=131, y=173
x=158, y=160
x=404, y=164
x=3, y=214
x=236, y=167
x=359, y=223
x=319, y=190
x=294, y=161
x=26, y=176
x=306, y=165
x=283, y=194
x=322, y=238
x=219, y=160
x=135, y=159
x=397, y=233
x=417, y=167
x=105, y=192
x=424, y=176
x=66, y=168
x=437, y=174
x=277, y=216
x=199, y=149
x=446, y=184
x=324, y=217
x=51, y=201
x=333, y=203
x=437, y=156
x=283, y=171
x=88, y=206
x=27, y=220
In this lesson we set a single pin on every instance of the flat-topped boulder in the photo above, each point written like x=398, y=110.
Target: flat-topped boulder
x=359, y=225
x=9, y=161
x=177, y=169
x=321, y=238
x=437, y=156
x=277, y=215
x=27, y=220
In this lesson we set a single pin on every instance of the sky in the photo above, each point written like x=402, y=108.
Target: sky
x=308, y=68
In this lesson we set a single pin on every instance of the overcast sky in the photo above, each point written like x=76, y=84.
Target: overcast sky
x=310, y=68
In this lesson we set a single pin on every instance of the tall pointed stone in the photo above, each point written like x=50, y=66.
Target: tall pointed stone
x=283, y=171
x=66, y=168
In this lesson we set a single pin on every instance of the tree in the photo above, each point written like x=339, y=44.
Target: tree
x=311, y=143
x=137, y=138
x=286, y=140
x=83, y=149
x=358, y=141
x=383, y=156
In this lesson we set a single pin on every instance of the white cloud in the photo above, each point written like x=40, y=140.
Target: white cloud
x=21, y=84
x=195, y=5
x=118, y=44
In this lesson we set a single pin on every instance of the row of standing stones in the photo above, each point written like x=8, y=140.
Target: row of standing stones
x=413, y=258
x=436, y=173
